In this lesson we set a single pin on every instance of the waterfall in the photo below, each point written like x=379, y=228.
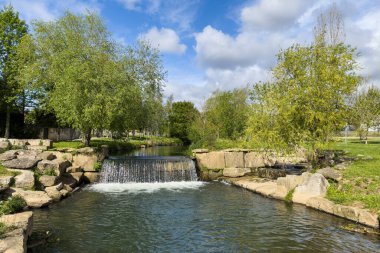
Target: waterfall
x=148, y=169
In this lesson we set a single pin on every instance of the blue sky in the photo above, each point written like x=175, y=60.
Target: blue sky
x=218, y=44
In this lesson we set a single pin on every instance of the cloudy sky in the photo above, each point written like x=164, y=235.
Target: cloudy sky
x=213, y=44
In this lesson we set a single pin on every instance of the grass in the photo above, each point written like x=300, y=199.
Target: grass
x=361, y=180
x=12, y=205
x=289, y=196
x=118, y=145
x=5, y=172
x=5, y=229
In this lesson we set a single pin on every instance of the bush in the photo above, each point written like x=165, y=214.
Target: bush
x=12, y=205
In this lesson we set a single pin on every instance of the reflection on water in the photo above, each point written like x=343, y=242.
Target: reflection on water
x=190, y=217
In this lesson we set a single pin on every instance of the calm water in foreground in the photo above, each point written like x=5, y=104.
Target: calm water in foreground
x=190, y=217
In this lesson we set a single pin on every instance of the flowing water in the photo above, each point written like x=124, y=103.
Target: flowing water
x=188, y=216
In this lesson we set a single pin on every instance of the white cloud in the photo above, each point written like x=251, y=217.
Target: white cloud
x=273, y=14
x=166, y=40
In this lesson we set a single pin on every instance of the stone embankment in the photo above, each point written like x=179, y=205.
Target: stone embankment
x=41, y=177
x=240, y=168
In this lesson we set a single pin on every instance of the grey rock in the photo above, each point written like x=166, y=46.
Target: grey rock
x=23, y=163
x=25, y=179
x=47, y=181
x=330, y=173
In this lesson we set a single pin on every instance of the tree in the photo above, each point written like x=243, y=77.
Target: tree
x=366, y=111
x=182, y=116
x=227, y=111
x=307, y=100
x=12, y=29
x=91, y=82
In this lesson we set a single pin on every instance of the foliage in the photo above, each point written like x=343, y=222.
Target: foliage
x=224, y=116
x=91, y=82
x=183, y=114
x=307, y=101
x=5, y=172
x=12, y=29
x=362, y=178
x=12, y=205
x=97, y=166
x=289, y=196
x=366, y=111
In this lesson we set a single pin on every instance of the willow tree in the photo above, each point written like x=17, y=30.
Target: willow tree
x=89, y=80
x=307, y=100
x=12, y=29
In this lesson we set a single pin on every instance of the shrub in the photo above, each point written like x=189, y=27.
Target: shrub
x=97, y=166
x=13, y=205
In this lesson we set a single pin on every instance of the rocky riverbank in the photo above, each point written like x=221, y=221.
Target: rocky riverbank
x=41, y=177
x=263, y=173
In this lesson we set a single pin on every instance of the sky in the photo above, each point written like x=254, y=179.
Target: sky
x=209, y=45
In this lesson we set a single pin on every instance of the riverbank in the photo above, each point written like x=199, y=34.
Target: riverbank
x=256, y=171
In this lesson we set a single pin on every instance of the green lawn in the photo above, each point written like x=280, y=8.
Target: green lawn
x=361, y=180
x=115, y=145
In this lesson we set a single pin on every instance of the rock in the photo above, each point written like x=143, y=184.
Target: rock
x=47, y=156
x=213, y=175
x=86, y=150
x=78, y=176
x=53, y=193
x=63, y=156
x=73, y=169
x=34, y=199
x=211, y=160
x=16, y=240
x=68, y=179
x=31, y=154
x=91, y=177
x=285, y=184
x=85, y=161
x=234, y=159
x=8, y=155
x=57, y=166
x=21, y=163
x=254, y=160
x=265, y=187
x=330, y=173
x=4, y=145
x=235, y=172
x=315, y=186
x=5, y=182
x=25, y=179
x=321, y=204
x=64, y=193
x=47, y=181
x=199, y=150
x=67, y=188
x=40, y=148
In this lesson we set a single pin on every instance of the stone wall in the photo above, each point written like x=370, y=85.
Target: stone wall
x=59, y=134
x=239, y=162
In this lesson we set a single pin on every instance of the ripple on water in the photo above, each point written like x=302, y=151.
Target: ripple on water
x=191, y=217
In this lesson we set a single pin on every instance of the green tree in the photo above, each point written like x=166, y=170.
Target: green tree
x=181, y=118
x=307, y=100
x=12, y=29
x=227, y=111
x=91, y=83
x=366, y=111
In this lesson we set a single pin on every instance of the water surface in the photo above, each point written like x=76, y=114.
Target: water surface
x=190, y=217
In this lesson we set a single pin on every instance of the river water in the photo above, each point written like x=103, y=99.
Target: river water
x=189, y=216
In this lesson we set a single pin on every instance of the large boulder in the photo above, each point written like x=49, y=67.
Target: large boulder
x=285, y=184
x=86, y=161
x=31, y=154
x=254, y=160
x=68, y=179
x=25, y=179
x=330, y=173
x=5, y=182
x=63, y=156
x=34, y=199
x=47, y=180
x=23, y=163
x=39, y=148
x=91, y=177
x=56, y=166
x=54, y=192
x=235, y=172
x=47, y=156
x=15, y=241
x=8, y=155
x=234, y=159
x=211, y=160
x=315, y=186
x=78, y=176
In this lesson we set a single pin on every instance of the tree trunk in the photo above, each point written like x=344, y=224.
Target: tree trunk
x=8, y=122
x=87, y=138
